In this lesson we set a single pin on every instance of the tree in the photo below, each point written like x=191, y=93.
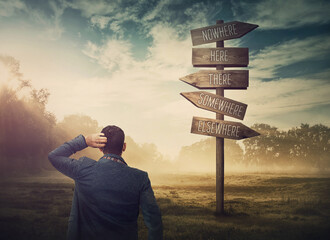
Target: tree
x=201, y=156
x=268, y=149
x=25, y=124
x=311, y=146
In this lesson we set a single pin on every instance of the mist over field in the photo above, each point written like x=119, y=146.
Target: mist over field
x=29, y=131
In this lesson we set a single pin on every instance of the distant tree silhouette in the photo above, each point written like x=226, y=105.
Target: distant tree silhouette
x=25, y=124
x=311, y=145
x=200, y=156
x=303, y=146
x=266, y=149
x=26, y=128
x=28, y=132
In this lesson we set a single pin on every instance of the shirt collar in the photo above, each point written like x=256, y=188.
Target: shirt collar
x=112, y=155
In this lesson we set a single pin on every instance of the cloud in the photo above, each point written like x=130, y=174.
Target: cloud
x=286, y=95
x=282, y=14
x=146, y=14
x=112, y=55
x=157, y=10
x=269, y=60
x=53, y=26
x=280, y=96
x=10, y=7
x=100, y=21
x=48, y=22
x=97, y=7
x=167, y=47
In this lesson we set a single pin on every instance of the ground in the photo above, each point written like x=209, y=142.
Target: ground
x=258, y=206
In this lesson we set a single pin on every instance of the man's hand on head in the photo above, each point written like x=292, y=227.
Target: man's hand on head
x=96, y=140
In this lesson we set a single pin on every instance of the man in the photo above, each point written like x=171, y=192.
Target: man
x=108, y=193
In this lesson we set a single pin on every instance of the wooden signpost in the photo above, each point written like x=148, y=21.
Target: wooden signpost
x=219, y=80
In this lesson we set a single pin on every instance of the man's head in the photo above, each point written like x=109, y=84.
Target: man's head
x=115, y=140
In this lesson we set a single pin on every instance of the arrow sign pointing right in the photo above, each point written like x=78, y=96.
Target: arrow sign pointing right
x=220, y=128
x=219, y=32
x=216, y=103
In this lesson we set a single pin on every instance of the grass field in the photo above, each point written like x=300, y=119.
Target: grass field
x=258, y=206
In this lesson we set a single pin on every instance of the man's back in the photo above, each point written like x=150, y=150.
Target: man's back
x=107, y=196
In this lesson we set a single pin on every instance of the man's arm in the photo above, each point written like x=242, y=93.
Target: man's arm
x=60, y=156
x=151, y=213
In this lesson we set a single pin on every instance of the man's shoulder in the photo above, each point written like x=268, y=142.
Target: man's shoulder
x=86, y=162
x=138, y=173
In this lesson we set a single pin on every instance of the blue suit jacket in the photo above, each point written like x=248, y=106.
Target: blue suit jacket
x=107, y=196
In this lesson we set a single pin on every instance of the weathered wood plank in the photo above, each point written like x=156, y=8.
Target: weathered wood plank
x=225, y=31
x=211, y=79
x=228, y=57
x=215, y=103
x=220, y=128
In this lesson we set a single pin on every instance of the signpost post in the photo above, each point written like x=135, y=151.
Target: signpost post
x=219, y=80
x=220, y=151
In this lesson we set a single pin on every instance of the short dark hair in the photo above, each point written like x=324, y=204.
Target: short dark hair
x=115, y=139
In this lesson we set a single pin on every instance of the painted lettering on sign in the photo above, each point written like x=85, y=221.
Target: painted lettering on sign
x=217, y=55
x=221, y=104
x=220, y=79
x=219, y=32
x=211, y=79
x=228, y=57
x=218, y=128
x=215, y=103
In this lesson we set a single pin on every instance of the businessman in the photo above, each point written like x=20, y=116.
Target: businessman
x=108, y=193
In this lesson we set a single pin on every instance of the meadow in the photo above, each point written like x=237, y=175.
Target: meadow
x=258, y=206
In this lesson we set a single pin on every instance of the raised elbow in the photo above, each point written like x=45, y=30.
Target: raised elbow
x=51, y=156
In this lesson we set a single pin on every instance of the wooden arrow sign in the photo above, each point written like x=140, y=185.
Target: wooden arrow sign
x=228, y=57
x=215, y=103
x=211, y=79
x=225, y=31
x=220, y=128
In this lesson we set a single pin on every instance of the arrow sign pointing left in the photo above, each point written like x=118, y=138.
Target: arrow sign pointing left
x=211, y=79
x=216, y=103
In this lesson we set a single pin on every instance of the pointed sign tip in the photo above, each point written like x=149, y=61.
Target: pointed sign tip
x=183, y=79
x=255, y=26
x=255, y=134
x=183, y=94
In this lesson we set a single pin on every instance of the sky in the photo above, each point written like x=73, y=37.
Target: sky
x=120, y=61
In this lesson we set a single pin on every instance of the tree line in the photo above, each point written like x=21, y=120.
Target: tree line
x=300, y=148
x=305, y=146
x=28, y=132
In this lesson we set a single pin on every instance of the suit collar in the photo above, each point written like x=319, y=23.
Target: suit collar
x=111, y=156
